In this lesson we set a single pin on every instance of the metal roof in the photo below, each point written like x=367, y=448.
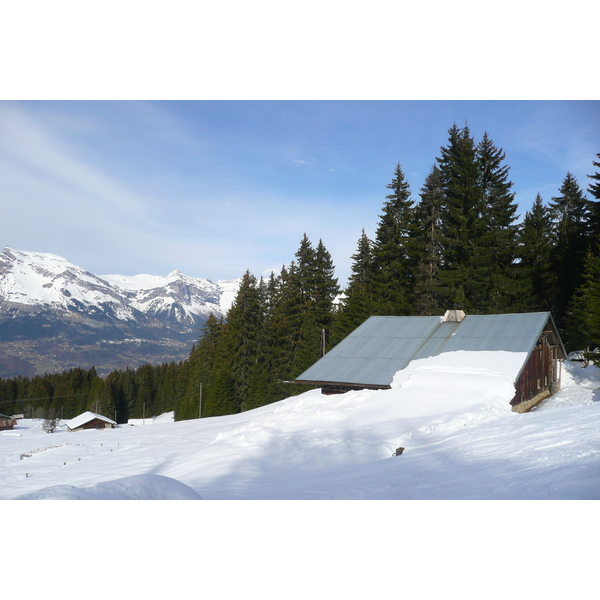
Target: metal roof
x=373, y=353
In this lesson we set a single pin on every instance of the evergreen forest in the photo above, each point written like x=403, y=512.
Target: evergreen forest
x=459, y=241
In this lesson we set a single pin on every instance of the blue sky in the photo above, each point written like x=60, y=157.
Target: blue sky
x=217, y=187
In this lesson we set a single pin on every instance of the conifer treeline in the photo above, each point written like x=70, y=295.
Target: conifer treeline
x=272, y=333
x=460, y=243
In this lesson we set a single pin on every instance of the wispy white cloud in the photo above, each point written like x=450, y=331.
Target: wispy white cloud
x=52, y=198
x=150, y=187
x=57, y=200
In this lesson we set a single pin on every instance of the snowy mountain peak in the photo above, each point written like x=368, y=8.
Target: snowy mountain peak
x=55, y=315
x=34, y=278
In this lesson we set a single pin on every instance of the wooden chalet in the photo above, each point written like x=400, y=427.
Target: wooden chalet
x=89, y=420
x=6, y=422
x=372, y=354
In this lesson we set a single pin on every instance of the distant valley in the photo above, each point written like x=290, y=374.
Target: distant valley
x=55, y=316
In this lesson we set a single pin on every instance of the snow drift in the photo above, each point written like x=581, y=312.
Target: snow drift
x=136, y=487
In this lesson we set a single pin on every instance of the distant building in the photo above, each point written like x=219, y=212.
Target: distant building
x=89, y=420
x=6, y=422
x=372, y=354
x=147, y=421
x=168, y=417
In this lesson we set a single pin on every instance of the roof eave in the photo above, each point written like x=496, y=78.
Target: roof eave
x=343, y=383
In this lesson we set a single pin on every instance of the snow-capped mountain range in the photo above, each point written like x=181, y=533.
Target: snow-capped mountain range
x=45, y=296
x=38, y=279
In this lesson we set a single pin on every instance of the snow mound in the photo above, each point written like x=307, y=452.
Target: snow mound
x=135, y=487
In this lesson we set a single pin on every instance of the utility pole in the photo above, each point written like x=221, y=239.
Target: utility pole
x=322, y=342
x=144, y=414
x=200, y=404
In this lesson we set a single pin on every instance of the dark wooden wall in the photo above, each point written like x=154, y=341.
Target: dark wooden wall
x=538, y=373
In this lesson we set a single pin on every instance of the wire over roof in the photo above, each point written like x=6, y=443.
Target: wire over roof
x=372, y=354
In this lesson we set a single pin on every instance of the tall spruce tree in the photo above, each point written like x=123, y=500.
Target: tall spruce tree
x=535, y=244
x=313, y=288
x=584, y=314
x=570, y=217
x=461, y=228
x=357, y=304
x=326, y=287
x=500, y=290
x=478, y=229
x=242, y=336
x=262, y=386
x=428, y=247
x=393, y=251
x=301, y=303
x=199, y=370
x=284, y=320
x=594, y=207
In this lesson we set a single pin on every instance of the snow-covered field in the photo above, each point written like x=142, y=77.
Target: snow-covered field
x=451, y=414
x=461, y=443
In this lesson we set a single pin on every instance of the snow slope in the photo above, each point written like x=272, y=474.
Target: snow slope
x=136, y=487
x=451, y=414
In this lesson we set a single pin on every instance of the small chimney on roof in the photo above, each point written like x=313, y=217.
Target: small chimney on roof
x=455, y=314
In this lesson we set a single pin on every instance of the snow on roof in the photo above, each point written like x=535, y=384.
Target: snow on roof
x=86, y=417
x=381, y=346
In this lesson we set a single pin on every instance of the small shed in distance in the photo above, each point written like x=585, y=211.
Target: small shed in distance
x=372, y=354
x=89, y=420
x=6, y=422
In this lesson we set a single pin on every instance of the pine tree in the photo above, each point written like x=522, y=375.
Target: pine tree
x=357, y=304
x=570, y=216
x=584, y=315
x=393, y=251
x=535, y=253
x=303, y=275
x=241, y=336
x=428, y=220
x=114, y=381
x=146, y=391
x=260, y=390
x=221, y=399
x=495, y=252
x=129, y=387
x=198, y=370
x=101, y=399
x=326, y=287
x=594, y=207
x=461, y=229
x=285, y=320
x=363, y=267
x=304, y=307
